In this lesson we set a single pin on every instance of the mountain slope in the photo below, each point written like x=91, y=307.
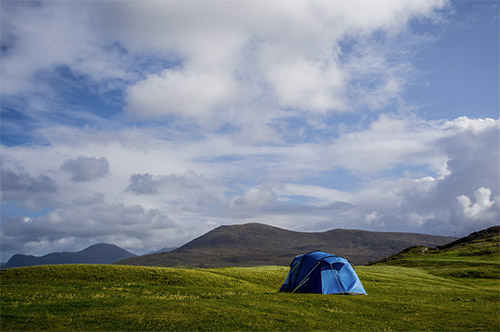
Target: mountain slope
x=258, y=244
x=101, y=253
x=476, y=255
x=483, y=242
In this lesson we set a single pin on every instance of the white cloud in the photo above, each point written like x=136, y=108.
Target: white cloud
x=187, y=192
x=374, y=219
x=387, y=142
x=315, y=84
x=481, y=209
x=181, y=91
x=45, y=35
x=322, y=194
x=431, y=204
x=226, y=55
x=288, y=54
x=254, y=198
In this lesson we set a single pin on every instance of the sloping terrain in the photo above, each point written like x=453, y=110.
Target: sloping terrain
x=101, y=253
x=258, y=244
x=480, y=243
x=132, y=298
x=476, y=255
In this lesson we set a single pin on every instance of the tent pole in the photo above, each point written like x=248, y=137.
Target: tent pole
x=306, y=277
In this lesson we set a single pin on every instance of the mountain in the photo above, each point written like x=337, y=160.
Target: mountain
x=101, y=253
x=258, y=244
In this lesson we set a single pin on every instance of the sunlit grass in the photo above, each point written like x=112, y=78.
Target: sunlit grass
x=97, y=297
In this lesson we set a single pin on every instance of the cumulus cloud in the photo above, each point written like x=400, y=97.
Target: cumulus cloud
x=84, y=169
x=374, y=218
x=149, y=184
x=481, y=209
x=290, y=53
x=22, y=181
x=188, y=191
x=438, y=162
x=255, y=198
x=21, y=188
x=180, y=91
x=29, y=50
x=441, y=204
x=217, y=58
x=387, y=142
x=143, y=184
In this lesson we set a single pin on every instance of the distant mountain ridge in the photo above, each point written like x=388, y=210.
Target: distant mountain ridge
x=259, y=244
x=101, y=253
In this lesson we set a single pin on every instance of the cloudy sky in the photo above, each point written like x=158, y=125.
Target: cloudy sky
x=146, y=124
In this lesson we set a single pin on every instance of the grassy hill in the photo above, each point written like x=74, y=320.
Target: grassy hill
x=258, y=244
x=113, y=298
x=476, y=255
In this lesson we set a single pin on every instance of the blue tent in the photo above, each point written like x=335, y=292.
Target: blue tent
x=320, y=272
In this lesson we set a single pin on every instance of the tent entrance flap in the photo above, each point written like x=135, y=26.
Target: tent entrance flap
x=306, y=278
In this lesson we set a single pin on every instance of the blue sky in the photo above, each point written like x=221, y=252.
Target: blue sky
x=146, y=124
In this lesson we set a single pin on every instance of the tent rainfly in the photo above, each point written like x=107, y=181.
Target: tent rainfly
x=323, y=273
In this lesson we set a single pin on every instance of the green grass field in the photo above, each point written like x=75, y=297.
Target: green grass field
x=124, y=298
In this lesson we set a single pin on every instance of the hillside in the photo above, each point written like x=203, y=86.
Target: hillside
x=476, y=255
x=258, y=244
x=132, y=298
x=480, y=243
x=101, y=253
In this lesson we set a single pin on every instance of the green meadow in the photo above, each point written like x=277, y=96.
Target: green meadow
x=126, y=298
